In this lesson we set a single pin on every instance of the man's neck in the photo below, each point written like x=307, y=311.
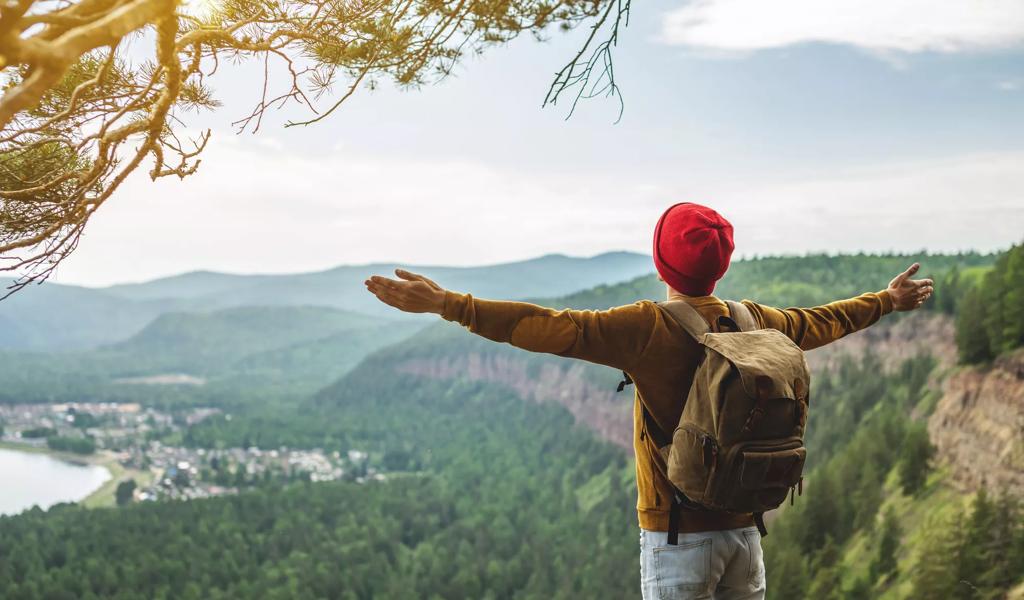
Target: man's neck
x=674, y=294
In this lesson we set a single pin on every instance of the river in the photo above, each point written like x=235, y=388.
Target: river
x=29, y=478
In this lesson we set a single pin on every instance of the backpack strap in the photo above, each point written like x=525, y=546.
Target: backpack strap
x=742, y=316
x=687, y=317
x=673, y=523
x=759, y=521
x=744, y=319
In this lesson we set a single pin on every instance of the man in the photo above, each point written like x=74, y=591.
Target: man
x=718, y=554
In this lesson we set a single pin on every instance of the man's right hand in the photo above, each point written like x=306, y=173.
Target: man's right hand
x=907, y=293
x=410, y=292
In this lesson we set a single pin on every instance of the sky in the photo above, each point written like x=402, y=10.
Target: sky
x=851, y=125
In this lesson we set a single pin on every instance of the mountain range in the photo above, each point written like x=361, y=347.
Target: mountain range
x=53, y=317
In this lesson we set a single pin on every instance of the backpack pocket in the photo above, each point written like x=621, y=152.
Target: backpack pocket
x=759, y=475
x=768, y=476
x=691, y=460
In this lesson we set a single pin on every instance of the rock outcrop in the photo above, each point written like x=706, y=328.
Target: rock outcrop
x=895, y=341
x=598, y=408
x=978, y=426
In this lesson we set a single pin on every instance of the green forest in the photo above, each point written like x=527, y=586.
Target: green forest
x=490, y=496
x=509, y=500
x=990, y=319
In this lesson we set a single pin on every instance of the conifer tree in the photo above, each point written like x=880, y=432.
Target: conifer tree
x=993, y=294
x=124, y=492
x=1013, y=280
x=917, y=450
x=948, y=291
x=828, y=572
x=936, y=571
x=786, y=570
x=884, y=562
x=867, y=495
x=978, y=554
x=971, y=334
x=1003, y=568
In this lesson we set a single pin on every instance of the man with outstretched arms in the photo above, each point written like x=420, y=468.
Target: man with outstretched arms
x=718, y=554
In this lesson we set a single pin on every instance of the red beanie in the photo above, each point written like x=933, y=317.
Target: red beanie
x=692, y=247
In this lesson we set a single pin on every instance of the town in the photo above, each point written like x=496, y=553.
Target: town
x=135, y=438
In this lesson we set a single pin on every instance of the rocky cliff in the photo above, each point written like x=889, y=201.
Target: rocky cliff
x=596, y=407
x=978, y=426
x=895, y=340
x=608, y=414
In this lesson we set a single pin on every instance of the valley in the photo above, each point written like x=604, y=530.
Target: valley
x=491, y=461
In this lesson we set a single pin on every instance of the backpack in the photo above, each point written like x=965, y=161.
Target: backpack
x=739, y=445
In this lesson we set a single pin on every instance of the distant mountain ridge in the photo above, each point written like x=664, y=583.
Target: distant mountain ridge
x=63, y=317
x=543, y=273
x=239, y=352
x=199, y=343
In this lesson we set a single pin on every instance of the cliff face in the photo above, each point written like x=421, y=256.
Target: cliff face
x=609, y=414
x=978, y=426
x=895, y=341
x=598, y=408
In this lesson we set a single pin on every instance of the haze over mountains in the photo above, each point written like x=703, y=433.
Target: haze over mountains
x=54, y=317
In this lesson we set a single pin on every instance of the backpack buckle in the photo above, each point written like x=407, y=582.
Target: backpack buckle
x=626, y=380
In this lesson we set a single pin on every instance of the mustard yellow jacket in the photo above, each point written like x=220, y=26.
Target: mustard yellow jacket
x=660, y=357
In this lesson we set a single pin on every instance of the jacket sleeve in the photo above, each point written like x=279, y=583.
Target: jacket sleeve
x=615, y=337
x=814, y=327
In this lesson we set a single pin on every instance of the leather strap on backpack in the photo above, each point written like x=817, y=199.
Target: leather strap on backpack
x=687, y=317
x=744, y=319
x=673, y=523
x=680, y=503
x=759, y=521
x=742, y=316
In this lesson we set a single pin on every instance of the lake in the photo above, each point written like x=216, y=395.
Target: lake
x=28, y=478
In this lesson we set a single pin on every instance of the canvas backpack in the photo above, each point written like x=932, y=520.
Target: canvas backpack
x=738, y=446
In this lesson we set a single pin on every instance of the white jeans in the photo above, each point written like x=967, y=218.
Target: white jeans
x=719, y=565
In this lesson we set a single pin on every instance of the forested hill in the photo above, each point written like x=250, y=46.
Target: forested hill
x=490, y=496
x=228, y=356
x=802, y=280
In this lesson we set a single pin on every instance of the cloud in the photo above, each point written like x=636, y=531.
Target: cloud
x=253, y=208
x=875, y=25
x=956, y=203
x=1010, y=85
